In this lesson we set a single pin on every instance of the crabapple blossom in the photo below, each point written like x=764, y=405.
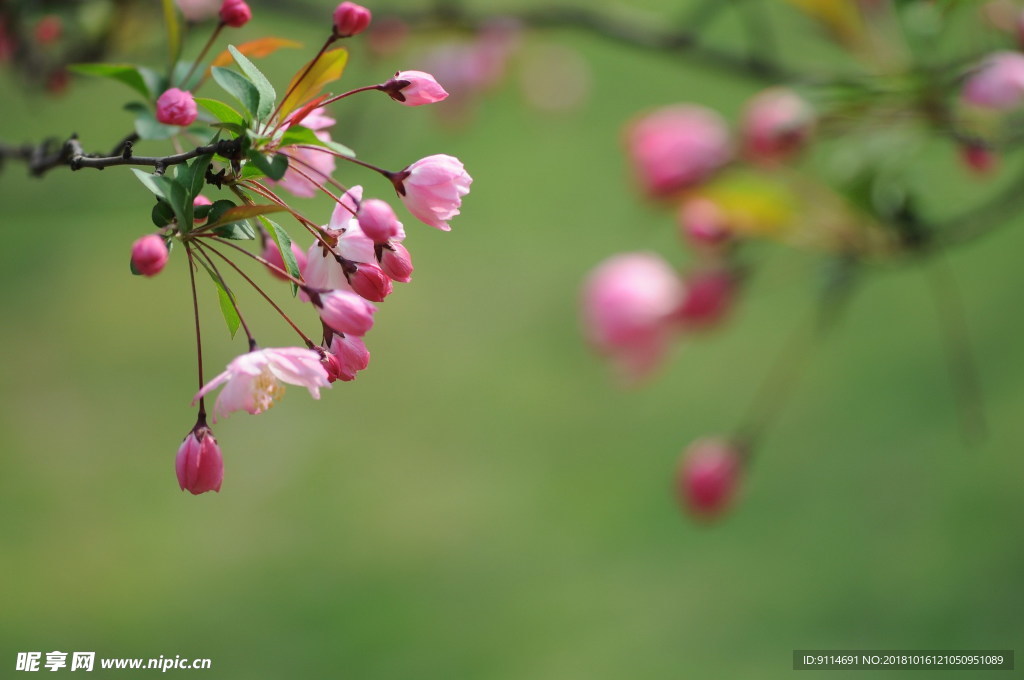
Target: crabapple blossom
x=252, y=381
x=709, y=296
x=199, y=464
x=272, y=254
x=396, y=262
x=414, y=88
x=350, y=19
x=176, y=107
x=235, y=13
x=348, y=355
x=345, y=311
x=703, y=222
x=998, y=83
x=378, y=221
x=678, y=147
x=776, y=123
x=199, y=201
x=370, y=282
x=149, y=255
x=432, y=189
x=708, y=476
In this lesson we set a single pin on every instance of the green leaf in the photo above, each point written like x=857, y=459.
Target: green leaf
x=171, y=191
x=227, y=300
x=239, y=87
x=267, y=94
x=239, y=213
x=174, y=33
x=237, y=231
x=146, y=124
x=297, y=134
x=162, y=213
x=284, y=244
x=143, y=80
x=236, y=128
x=273, y=167
x=222, y=111
x=193, y=178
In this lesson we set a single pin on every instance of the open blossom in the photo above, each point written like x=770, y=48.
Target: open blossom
x=432, y=189
x=708, y=476
x=309, y=168
x=998, y=83
x=350, y=19
x=176, y=107
x=199, y=464
x=348, y=355
x=415, y=88
x=346, y=312
x=252, y=381
x=678, y=147
x=235, y=13
x=322, y=269
x=776, y=124
x=628, y=304
x=149, y=255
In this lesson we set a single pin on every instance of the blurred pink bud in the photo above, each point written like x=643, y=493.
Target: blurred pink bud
x=371, y=282
x=198, y=10
x=316, y=165
x=709, y=476
x=252, y=381
x=199, y=463
x=149, y=255
x=628, y=302
x=378, y=221
x=703, y=222
x=349, y=355
x=350, y=19
x=414, y=88
x=396, y=262
x=49, y=29
x=776, y=124
x=677, y=147
x=387, y=36
x=345, y=312
x=198, y=201
x=998, y=83
x=709, y=297
x=272, y=255
x=432, y=189
x=978, y=158
x=235, y=13
x=176, y=107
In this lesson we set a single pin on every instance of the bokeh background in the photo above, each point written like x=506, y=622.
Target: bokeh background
x=484, y=502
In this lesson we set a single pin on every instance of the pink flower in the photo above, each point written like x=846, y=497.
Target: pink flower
x=199, y=201
x=708, y=476
x=149, y=255
x=345, y=312
x=414, y=88
x=978, y=158
x=199, y=463
x=378, y=221
x=176, y=107
x=49, y=29
x=628, y=303
x=396, y=262
x=703, y=223
x=235, y=13
x=998, y=83
x=316, y=164
x=710, y=295
x=350, y=19
x=677, y=147
x=198, y=10
x=348, y=355
x=323, y=270
x=272, y=254
x=776, y=124
x=432, y=189
x=370, y=282
x=252, y=381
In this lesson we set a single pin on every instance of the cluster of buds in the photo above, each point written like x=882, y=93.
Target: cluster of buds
x=352, y=261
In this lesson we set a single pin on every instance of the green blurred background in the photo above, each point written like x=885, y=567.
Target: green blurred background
x=483, y=502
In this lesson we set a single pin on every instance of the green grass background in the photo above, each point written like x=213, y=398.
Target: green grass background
x=483, y=502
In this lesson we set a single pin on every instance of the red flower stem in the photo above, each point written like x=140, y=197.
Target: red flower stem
x=199, y=337
x=351, y=92
x=282, y=272
x=299, y=80
x=202, y=53
x=231, y=296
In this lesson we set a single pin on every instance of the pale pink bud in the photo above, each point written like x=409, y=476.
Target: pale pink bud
x=378, y=221
x=978, y=158
x=350, y=19
x=709, y=297
x=432, y=189
x=703, y=222
x=708, y=476
x=677, y=147
x=235, y=13
x=998, y=83
x=414, y=88
x=199, y=463
x=272, y=254
x=176, y=107
x=350, y=355
x=628, y=303
x=149, y=255
x=200, y=200
x=345, y=312
x=776, y=124
x=371, y=282
x=198, y=10
x=396, y=262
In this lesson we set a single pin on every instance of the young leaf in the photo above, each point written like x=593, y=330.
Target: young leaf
x=221, y=111
x=297, y=134
x=227, y=300
x=284, y=244
x=193, y=178
x=267, y=94
x=239, y=87
x=239, y=213
x=142, y=80
x=169, y=190
x=255, y=49
x=273, y=167
x=327, y=69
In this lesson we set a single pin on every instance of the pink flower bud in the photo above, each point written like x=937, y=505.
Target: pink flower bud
x=371, y=282
x=235, y=13
x=432, y=189
x=198, y=10
x=709, y=297
x=677, y=147
x=349, y=356
x=149, y=255
x=272, y=255
x=708, y=477
x=978, y=158
x=49, y=29
x=198, y=201
x=350, y=19
x=703, y=223
x=414, y=88
x=199, y=463
x=377, y=220
x=346, y=312
x=396, y=262
x=628, y=302
x=176, y=107
x=998, y=83
x=776, y=124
